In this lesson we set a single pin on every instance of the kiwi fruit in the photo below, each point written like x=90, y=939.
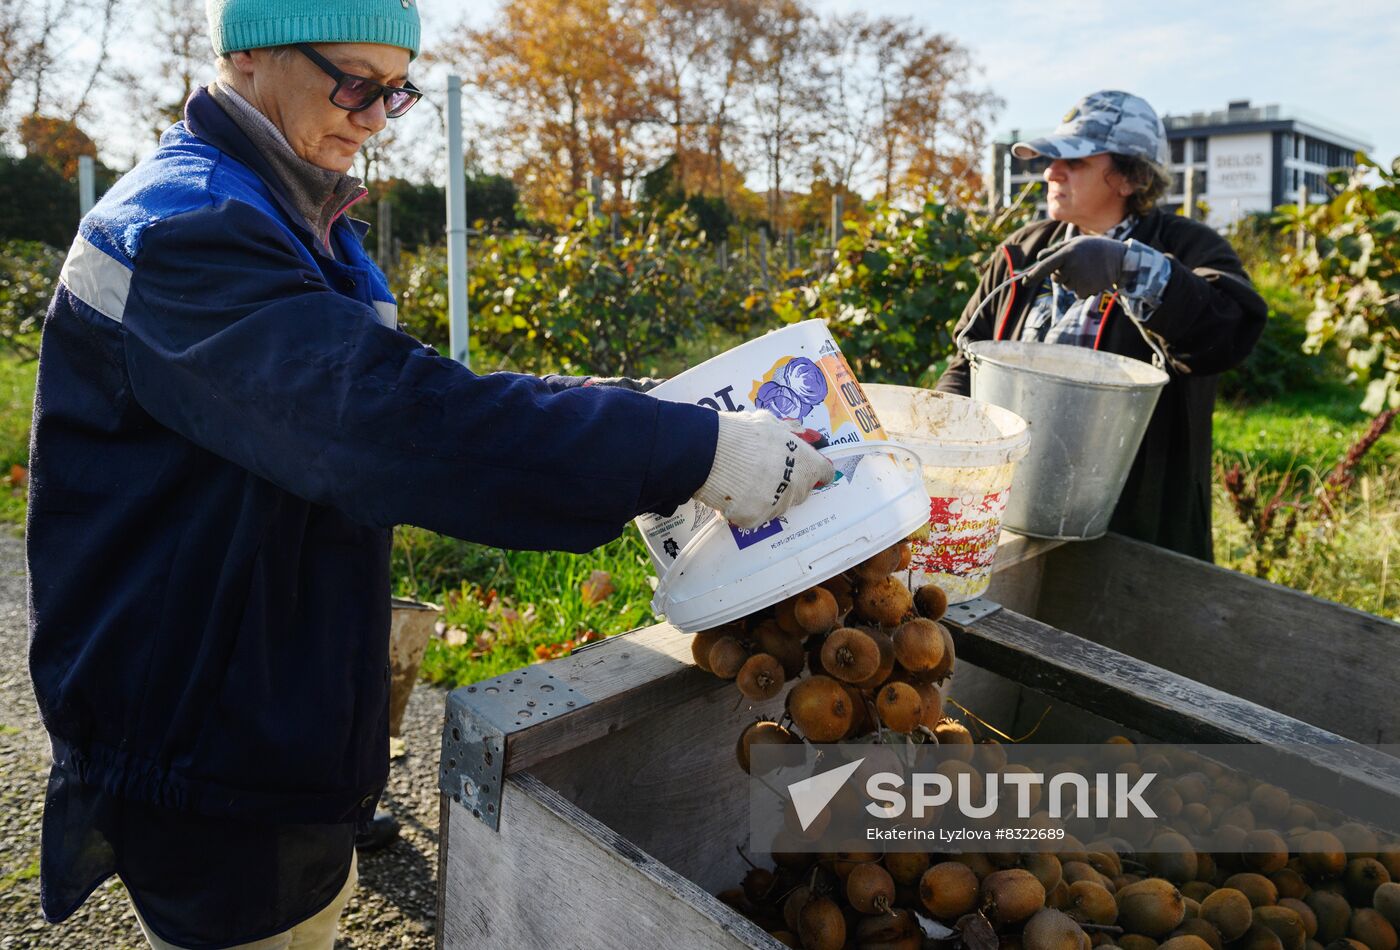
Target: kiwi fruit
x=1076, y=871
x=841, y=588
x=703, y=642
x=1153, y=907
x=1046, y=868
x=821, y=708
x=1333, y=914
x=897, y=930
x=1361, y=877
x=850, y=655
x=1136, y=942
x=814, y=611
x=918, y=645
x=1011, y=896
x=1258, y=937
x=787, y=938
x=771, y=639
x=1200, y=928
x=785, y=618
x=1304, y=912
x=1229, y=911
x=906, y=867
x=1264, y=851
x=899, y=706
x=878, y=566
x=1197, y=815
x=1058, y=897
x=1184, y=942
x=1346, y=943
x=886, y=646
x=931, y=601
x=955, y=739
x=1289, y=883
x=931, y=709
x=761, y=677
x=821, y=925
x=1091, y=903
x=1369, y=927
x=727, y=657
x=945, y=668
x=1198, y=890
x=1359, y=841
x=1258, y=888
x=758, y=733
x=949, y=890
x=1323, y=854
x=870, y=889
x=861, y=722
x=1285, y=923
x=884, y=601
x=1171, y=856
x=758, y=885
x=1386, y=900
x=1050, y=929
x=1270, y=802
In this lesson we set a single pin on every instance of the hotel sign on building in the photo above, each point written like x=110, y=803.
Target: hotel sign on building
x=1242, y=159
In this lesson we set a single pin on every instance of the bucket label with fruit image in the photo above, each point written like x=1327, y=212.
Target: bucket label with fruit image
x=821, y=394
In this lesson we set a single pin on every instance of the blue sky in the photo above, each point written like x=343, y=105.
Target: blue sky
x=1339, y=60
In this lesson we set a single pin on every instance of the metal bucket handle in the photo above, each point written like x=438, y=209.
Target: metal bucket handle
x=688, y=552
x=1159, y=357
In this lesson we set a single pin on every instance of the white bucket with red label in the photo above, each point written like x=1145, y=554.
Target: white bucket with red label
x=712, y=572
x=969, y=451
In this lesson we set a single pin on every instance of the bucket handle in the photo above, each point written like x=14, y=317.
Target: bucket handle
x=687, y=554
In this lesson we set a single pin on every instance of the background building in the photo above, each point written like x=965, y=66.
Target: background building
x=1242, y=159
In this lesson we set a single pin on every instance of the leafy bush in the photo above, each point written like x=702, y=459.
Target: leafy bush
x=899, y=284
x=583, y=301
x=1350, y=265
x=1278, y=364
x=28, y=274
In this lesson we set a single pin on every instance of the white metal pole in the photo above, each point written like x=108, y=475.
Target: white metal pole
x=87, y=184
x=456, y=227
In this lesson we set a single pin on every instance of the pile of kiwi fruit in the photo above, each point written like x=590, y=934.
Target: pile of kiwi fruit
x=1305, y=878
x=1283, y=875
x=859, y=656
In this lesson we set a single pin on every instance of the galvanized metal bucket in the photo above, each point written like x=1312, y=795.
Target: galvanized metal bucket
x=1087, y=412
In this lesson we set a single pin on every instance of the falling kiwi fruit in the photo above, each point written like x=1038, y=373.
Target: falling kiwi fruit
x=815, y=611
x=1011, y=896
x=821, y=925
x=760, y=733
x=899, y=706
x=850, y=655
x=1153, y=907
x=878, y=567
x=788, y=651
x=949, y=890
x=1229, y=911
x=918, y=645
x=954, y=736
x=886, y=667
x=931, y=601
x=1050, y=929
x=727, y=657
x=841, y=588
x=884, y=601
x=870, y=889
x=945, y=667
x=761, y=677
x=821, y=708
x=703, y=642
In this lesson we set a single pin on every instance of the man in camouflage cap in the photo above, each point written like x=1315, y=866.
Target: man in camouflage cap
x=1110, y=271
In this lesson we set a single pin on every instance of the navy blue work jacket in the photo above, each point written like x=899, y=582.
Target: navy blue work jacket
x=227, y=424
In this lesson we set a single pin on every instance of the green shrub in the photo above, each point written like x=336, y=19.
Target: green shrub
x=28, y=275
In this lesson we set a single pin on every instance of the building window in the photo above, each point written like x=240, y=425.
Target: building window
x=1178, y=151
x=1199, y=151
x=1201, y=186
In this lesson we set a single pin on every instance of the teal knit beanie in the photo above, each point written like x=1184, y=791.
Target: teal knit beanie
x=251, y=24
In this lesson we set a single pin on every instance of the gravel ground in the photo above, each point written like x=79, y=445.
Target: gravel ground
x=392, y=907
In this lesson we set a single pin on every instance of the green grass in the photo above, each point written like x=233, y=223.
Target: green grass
x=16, y=407
x=27, y=873
x=1301, y=429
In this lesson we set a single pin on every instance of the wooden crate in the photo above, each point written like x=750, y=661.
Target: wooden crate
x=612, y=805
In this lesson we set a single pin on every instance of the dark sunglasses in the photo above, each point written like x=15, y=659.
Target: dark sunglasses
x=357, y=93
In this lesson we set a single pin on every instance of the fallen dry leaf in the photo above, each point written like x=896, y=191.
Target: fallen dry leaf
x=597, y=588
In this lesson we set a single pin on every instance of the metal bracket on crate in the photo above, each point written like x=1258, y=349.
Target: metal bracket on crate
x=479, y=718
x=969, y=612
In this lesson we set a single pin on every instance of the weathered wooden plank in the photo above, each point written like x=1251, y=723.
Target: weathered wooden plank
x=1160, y=703
x=670, y=783
x=556, y=877
x=1314, y=660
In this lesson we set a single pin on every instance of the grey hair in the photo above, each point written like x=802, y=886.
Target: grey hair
x=1149, y=180
x=225, y=67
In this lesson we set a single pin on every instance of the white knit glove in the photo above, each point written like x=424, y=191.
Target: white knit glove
x=761, y=469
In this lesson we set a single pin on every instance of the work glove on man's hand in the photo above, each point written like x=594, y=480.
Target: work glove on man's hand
x=1086, y=265
x=644, y=384
x=762, y=468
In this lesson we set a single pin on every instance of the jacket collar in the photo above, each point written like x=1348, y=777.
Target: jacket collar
x=207, y=120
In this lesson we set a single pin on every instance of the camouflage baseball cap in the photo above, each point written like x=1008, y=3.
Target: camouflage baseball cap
x=1106, y=121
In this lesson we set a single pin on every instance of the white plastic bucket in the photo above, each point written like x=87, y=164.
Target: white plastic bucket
x=710, y=571
x=969, y=451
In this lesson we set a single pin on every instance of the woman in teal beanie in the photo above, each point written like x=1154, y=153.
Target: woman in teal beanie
x=227, y=426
